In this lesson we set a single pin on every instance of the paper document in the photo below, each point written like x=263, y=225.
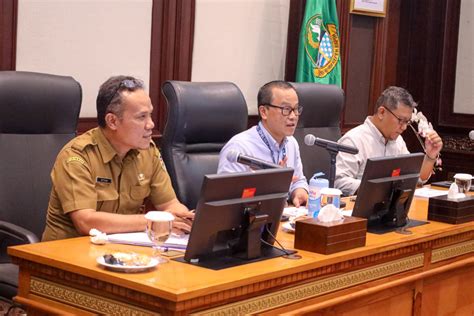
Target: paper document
x=141, y=239
x=295, y=211
x=427, y=192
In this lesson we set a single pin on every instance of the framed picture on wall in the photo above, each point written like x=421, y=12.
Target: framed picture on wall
x=376, y=8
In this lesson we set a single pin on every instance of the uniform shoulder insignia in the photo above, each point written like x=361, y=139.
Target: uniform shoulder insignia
x=158, y=154
x=81, y=143
x=76, y=159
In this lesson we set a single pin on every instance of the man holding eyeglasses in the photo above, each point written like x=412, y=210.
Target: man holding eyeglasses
x=102, y=178
x=272, y=139
x=380, y=136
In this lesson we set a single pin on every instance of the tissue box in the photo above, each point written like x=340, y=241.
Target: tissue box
x=457, y=211
x=326, y=238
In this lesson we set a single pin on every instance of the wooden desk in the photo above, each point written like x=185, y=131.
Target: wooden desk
x=430, y=272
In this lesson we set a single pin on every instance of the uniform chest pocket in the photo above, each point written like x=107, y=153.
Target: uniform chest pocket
x=139, y=192
x=107, y=198
x=106, y=193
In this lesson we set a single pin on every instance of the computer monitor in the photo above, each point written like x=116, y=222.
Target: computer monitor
x=236, y=216
x=386, y=191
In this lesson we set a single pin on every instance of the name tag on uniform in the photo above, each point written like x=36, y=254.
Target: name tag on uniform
x=103, y=180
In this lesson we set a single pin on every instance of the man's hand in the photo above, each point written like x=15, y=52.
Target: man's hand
x=183, y=217
x=181, y=225
x=433, y=144
x=299, y=197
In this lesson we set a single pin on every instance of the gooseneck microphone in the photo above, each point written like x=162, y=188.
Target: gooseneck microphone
x=311, y=140
x=471, y=135
x=252, y=162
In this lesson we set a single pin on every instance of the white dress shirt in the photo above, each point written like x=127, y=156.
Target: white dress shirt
x=250, y=143
x=371, y=144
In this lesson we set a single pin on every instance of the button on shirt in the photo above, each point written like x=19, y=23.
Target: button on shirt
x=371, y=144
x=250, y=143
x=88, y=174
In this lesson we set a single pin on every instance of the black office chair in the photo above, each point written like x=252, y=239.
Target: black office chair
x=202, y=117
x=38, y=115
x=321, y=117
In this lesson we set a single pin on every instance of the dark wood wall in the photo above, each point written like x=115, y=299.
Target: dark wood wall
x=414, y=46
x=368, y=52
x=429, y=54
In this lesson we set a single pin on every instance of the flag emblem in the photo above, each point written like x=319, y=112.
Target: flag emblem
x=321, y=45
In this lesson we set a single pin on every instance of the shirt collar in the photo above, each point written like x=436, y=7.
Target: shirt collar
x=376, y=131
x=107, y=151
x=271, y=140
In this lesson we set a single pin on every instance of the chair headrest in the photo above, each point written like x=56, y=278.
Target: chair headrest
x=322, y=104
x=36, y=103
x=203, y=112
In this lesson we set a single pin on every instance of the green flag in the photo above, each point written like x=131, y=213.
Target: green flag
x=319, y=52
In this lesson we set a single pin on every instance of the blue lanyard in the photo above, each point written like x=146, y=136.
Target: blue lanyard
x=265, y=140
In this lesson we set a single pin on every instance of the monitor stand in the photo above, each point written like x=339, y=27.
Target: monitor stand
x=249, y=249
x=228, y=261
x=396, y=217
x=379, y=228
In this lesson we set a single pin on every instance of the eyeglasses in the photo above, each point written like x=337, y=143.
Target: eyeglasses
x=401, y=121
x=286, y=110
x=127, y=83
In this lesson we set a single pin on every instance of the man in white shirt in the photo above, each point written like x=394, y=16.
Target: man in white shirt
x=272, y=139
x=380, y=136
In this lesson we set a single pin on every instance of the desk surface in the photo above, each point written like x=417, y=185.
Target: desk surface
x=176, y=282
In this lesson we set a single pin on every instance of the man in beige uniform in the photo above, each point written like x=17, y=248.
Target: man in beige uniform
x=101, y=178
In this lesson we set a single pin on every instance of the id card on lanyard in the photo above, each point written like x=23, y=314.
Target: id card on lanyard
x=267, y=143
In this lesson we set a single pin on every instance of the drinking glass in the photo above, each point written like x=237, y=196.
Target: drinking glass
x=158, y=229
x=463, y=180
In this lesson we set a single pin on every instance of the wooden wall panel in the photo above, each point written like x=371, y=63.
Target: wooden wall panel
x=369, y=54
x=449, y=294
x=171, y=50
x=359, y=71
x=427, y=68
x=8, y=16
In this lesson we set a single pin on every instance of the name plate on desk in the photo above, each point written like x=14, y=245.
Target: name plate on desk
x=452, y=211
x=327, y=238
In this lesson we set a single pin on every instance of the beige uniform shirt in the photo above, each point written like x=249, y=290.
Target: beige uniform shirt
x=88, y=174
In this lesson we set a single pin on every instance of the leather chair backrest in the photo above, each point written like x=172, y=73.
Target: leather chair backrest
x=321, y=117
x=202, y=117
x=38, y=116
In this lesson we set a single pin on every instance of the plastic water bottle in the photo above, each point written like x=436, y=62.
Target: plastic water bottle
x=314, y=199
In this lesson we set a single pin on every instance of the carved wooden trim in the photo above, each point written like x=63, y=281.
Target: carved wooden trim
x=452, y=251
x=458, y=143
x=317, y=288
x=8, y=29
x=84, y=300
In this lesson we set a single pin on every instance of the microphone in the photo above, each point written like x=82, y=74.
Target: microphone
x=471, y=134
x=311, y=140
x=252, y=162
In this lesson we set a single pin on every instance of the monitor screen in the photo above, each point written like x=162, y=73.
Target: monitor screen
x=236, y=216
x=386, y=190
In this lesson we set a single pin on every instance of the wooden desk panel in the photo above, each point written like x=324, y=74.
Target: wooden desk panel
x=389, y=275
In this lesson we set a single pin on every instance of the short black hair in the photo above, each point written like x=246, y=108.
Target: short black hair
x=392, y=96
x=265, y=94
x=109, y=98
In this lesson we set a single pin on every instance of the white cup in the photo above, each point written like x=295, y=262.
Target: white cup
x=463, y=180
x=331, y=196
